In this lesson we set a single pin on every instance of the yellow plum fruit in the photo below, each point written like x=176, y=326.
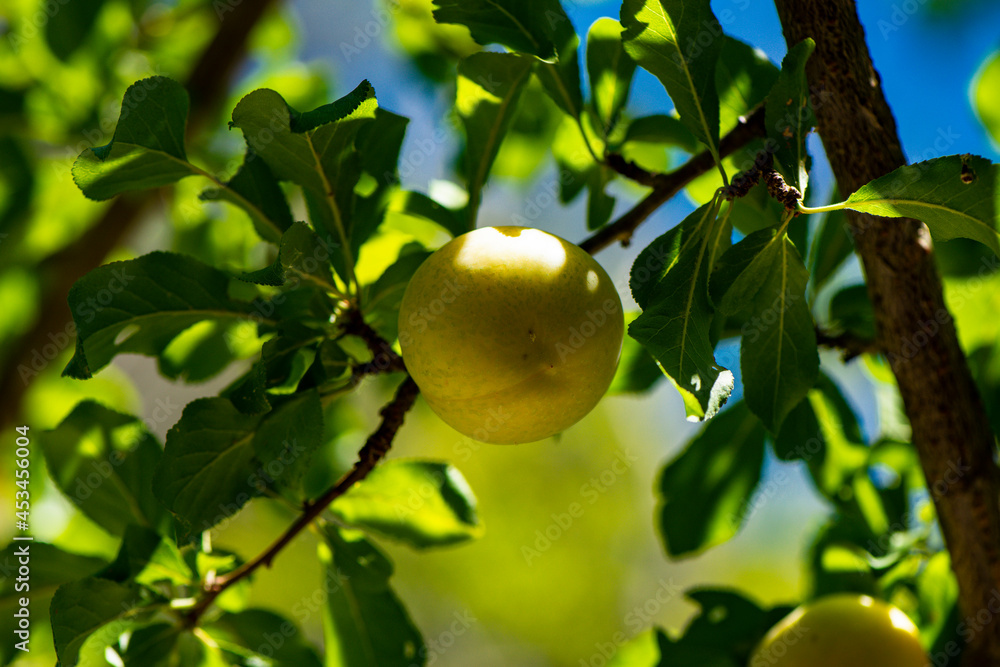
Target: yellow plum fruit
x=511, y=333
x=842, y=630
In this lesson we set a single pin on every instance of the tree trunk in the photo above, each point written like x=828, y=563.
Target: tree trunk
x=950, y=429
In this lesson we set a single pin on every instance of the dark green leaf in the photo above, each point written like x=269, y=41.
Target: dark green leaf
x=778, y=356
x=705, y=491
x=529, y=26
x=141, y=305
x=660, y=129
x=789, y=117
x=489, y=86
x=599, y=204
x=727, y=622
x=851, y=311
x=422, y=503
x=153, y=646
x=50, y=568
x=365, y=625
x=208, y=471
x=669, y=279
x=147, y=149
x=288, y=436
x=954, y=195
x=659, y=35
x=315, y=150
x=610, y=70
x=302, y=256
x=69, y=24
x=103, y=462
x=838, y=561
x=637, y=370
x=81, y=608
x=378, y=145
x=255, y=189
x=147, y=558
x=386, y=294
x=743, y=77
x=286, y=358
x=247, y=628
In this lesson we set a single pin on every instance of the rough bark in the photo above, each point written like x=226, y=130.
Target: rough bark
x=915, y=331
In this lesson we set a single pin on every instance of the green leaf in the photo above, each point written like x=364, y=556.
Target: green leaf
x=200, y=352
x=69, y=25
x=986, y=95
x=637, y=370
x=147, y=149
x=255, y=189
x=727, y=622
x=208, y=471
x=658, y=35
x=287, y=438
x=955, y=196
x=148, y=558
x=246, y=628
x=743, y=78
x=489, y=86
x=141, y=305
x=765, y=280
x=302, y=256
x=315, y=150
x=851, y=311
x=103, y=462
x=286, y=359
x=386, y=294
x=421, y=503
x=364, y=623
x=660, y=129
x=610, y=70
x=419, y=205
x=81, y=608
x=378, y=146
x=528, y=26
x=832, y=245
x=704, y=492
x=669, y=280
x=789, y=117
x=802, y=437
x=639, y=651
x=50, y=568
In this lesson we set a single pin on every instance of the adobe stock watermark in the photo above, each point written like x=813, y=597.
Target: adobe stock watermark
x=590, y=492
x=637, y=619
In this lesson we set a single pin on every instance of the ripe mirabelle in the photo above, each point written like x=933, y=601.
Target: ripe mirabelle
x=842, y=630
x=511, y=333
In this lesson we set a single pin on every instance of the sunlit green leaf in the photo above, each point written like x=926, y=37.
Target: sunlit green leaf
x=141, y=305
x=364, y=623
x=661, y=129
x=704, y=492
x=789, y=116
x=743, y=78
x=832, y=245
x=529, y=26
x=302, y=256
x=422, y=503
x=986, y=95
x=660, y=36
x=610, y=70
x=103, y=461
x=147, y=149
x=637, y=370
x=669, y=280
x=489, y=86
x=955, y=196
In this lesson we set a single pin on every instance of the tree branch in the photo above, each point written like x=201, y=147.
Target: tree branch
x=914, y=329
x=373, y=451
x=665, y=186
x=207, y=86
x=851, y=346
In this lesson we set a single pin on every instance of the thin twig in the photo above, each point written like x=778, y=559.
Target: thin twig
x=384, y=358
x=666, y=186
x=374, y=450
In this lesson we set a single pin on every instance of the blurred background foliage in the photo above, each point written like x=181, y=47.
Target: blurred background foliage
x=533, y=590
